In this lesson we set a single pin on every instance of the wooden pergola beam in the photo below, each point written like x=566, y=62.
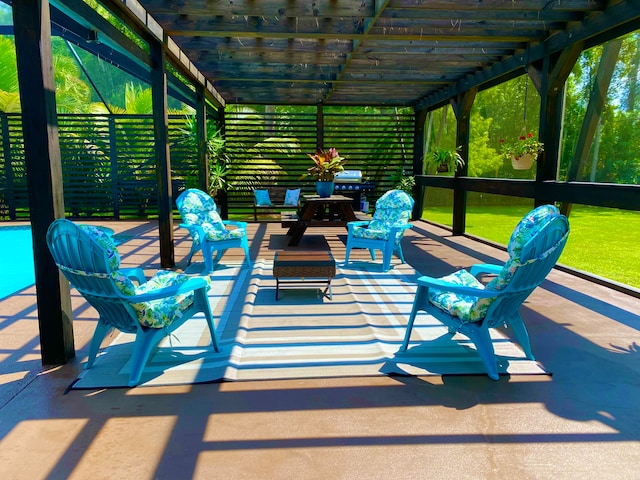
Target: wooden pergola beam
x=163, y=159
x=44, y=173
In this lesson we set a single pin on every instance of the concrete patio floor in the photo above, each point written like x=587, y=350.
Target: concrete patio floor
x=581, y=422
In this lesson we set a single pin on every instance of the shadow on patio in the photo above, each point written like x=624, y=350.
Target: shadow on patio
x=580, y=422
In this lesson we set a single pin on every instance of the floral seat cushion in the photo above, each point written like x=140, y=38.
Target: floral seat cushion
x=212, y=224
x=461, y=306
x=156, y=313
x=106, y=242
x=392, y=209
x=473, y=309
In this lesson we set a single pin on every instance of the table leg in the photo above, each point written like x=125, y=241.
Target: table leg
x=296, y=234
x=347, y=212
x=328, y=288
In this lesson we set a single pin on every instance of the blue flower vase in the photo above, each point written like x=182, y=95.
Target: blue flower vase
x=324, y=189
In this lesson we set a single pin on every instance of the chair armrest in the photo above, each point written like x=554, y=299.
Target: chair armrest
x=480, y=268
x=357, y=223
x=439, y=284
x=235, y=223
x=134, y=273
x=190, y=285
x=194, y=230
x=397, y=228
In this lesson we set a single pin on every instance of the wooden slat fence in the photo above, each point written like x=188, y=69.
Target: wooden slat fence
x=108, y=165
x=108, y=161
x=270, y=148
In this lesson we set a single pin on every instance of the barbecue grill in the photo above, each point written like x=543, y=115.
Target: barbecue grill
x=349, y=183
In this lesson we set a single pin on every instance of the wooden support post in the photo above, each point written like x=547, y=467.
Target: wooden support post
x=462, y=109
x=163, y=161
x=597, y=100
x=549, y=78
x=418, y=161
x=44, y=173
x=201, y=138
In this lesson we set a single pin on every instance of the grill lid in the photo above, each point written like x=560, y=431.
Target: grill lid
x=348, y=176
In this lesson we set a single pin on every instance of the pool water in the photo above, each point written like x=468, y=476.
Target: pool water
x=16, y=258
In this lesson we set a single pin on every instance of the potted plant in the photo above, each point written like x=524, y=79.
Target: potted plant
x=326, y=163
x=216, y=156
x=523, y=151
x=444, y=160
x=218, y=172
x=403, y=182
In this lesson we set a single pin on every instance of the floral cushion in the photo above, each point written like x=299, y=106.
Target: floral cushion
x=461, y=306
x=262, y=198
x=291, y=197
x=392, y=209
x=215, y=233
x=214, y=230
x=198, y=208
x=471, y=309
x=106, y=242
x=195, y=202
x=156, y=313
x=528, y=227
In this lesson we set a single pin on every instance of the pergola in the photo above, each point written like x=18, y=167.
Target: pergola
x=421, y=54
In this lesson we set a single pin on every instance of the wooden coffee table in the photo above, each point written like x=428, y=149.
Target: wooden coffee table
x=304, y=268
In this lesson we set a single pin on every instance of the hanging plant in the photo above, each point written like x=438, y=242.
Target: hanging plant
x=444, y=160
x=523, y=151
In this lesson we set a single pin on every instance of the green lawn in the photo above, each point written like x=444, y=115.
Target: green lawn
x=603, y=241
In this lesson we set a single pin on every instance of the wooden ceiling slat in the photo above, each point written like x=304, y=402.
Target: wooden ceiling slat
x=266, y=8
x=358, y=52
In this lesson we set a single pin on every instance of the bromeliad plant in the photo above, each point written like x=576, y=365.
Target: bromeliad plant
x=526, y=144
x=326, y=163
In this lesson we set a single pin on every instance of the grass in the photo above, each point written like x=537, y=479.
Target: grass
x=603, y=241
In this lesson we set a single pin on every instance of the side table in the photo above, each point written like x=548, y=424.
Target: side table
x=304, y=267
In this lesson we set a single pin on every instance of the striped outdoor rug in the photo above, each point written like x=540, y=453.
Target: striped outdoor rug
x=304, y=335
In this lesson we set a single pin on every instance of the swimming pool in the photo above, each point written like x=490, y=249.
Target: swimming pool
x=16, y=258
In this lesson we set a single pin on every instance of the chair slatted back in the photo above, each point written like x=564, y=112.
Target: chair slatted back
x=88, y=268
x=392, y=209
x=537, y=258
x=197, y=207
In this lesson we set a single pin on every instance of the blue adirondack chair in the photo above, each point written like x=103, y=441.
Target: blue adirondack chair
x=466, y=305
x=124, y=298
x=385, y=230
x=209, y=233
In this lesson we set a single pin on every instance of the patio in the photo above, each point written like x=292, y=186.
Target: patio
x=581, y=422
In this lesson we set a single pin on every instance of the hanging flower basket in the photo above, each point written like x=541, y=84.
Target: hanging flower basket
x=523, y=162
x=523, y=151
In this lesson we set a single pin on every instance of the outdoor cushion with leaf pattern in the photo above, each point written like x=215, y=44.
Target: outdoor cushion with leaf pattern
x=472, y=309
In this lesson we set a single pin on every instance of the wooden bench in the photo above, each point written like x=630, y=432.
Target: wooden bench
x=289, y=218
x=276, y=195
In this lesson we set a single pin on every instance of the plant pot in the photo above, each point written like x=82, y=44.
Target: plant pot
x=324, y=189
x=522, y=163
x=442, y=168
